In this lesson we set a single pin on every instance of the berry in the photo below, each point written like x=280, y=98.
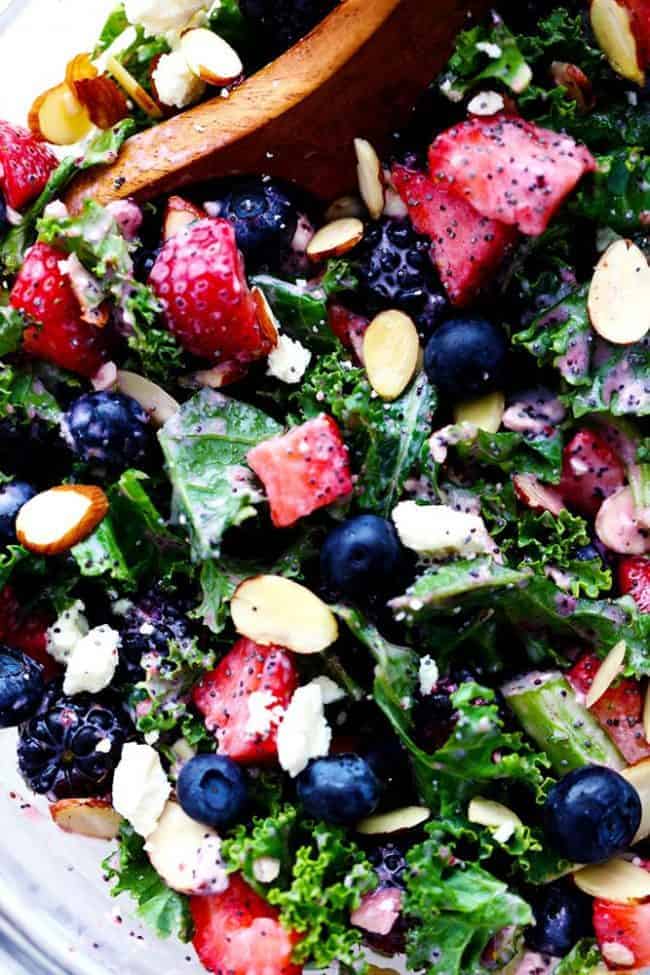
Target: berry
x=237, y=932
x=360, y=556
x=199, y=278
x=4, y=223
x=150, y=625
x=390, y=866
x=634, y=580
x=341, y=789
x=562, y=917
x=25, y=165
x=434, y=717
x=623, y=933
x=108, y=430
x=466, y=248
x=23, y=446
x=508, y=169
x=592, y=814
x=143, y=262
x=302, y=470
x=380, y=918
x=466, y=357
x=348, y=327
x=44, y=293
x=13, y=495
x=57, y=749
x=264, y=219
x=591, y=471
x=212, y=790
x=588, y=553
x=395, y=271
x=278, y=24
x=223, y=695
x=21, y=687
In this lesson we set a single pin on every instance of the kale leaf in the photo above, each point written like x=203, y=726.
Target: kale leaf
x=485, y=53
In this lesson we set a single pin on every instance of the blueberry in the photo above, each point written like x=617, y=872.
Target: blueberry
x=278, y=24
x=466, y=357
x=108, y=430
x=341, y=789
x=592, y=814
x=562, y=917
x=360, y=556
x=587, y=553
x=21, y=687
x=212, y=790
x=264, y=218
x=13, y=495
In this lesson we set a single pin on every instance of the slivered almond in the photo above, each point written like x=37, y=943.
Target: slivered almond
x=179, y=213
x=486, y=412
x=87, y=817
x=345, y=206
x=134, y=89
x=390, y=353
x=210, y=58
x=619, y=294
x=271, y=609
x=335, y=238
x=639, y=776
x=609, y=670
x=265, y=316
x=646, y=715
x=617, y=880
x=152, y=398
x=103, y=100
x=394, y=821
x=59, y=117
x=54, y=520
x=487, y=812
x=612, y=24
x=369, y=174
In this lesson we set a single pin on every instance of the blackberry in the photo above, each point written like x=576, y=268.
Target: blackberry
x=150, y=625
x=13, y=495
x=391, y=868
x=108, y=430
x=278, y=24
x=395, y=271
x=71, y=747
x=21, y=687
x=264, y=217
x=434, y=717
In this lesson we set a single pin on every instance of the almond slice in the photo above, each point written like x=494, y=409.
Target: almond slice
x=87, y=817
x=152, y=398
x=390, y=353
x=619, y=294
x=617, y=880
x=618, y=525
x=103, y=100
x=486, y=412
x=609, y=670
x=639, y=776
x=179, y=845
x=371, y=186
x=54, y=520
x=266, y=316
x=612, y=25
x=487, y=812
x=210, y=58
x=394, y=821
x=345, y=206
x=59, y=117
x=538, y=496
x=335, y=238
x=133, y=89
x=179, y=213
x=271, y=609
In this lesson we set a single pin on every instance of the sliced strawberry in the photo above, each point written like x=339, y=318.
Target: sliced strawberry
x=26, y=631
x=25, y=165
x=591, y=471
x=348, y=328
x=44, y=293
x=623, y=931
x=467, y=247
x=303, y=469
x=509, y=169
x=238, y=933
x=619, y=711
x=199, y=278
x=634, y=580
x=223, y=697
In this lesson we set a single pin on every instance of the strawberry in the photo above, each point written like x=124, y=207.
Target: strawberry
x=623, y=932
x=26, y=631
x=303, y=469
x=199, y=278
x=591, y=471
x=25, y=165
x=509, y=169
x=238, y=933
x=634, y=580
x=222, y=696
x=348, y=328
x=619, y=711
x=44, y=293
x=467, y=248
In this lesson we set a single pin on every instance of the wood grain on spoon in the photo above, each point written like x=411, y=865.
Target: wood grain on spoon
x=357, y=74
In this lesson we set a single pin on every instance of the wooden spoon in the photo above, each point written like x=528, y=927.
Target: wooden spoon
x=357, y=74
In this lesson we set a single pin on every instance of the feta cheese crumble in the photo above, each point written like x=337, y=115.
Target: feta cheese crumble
x=263, y=712
x=91, y=664
x=266, y=869
x=330, y=689
x=175, y=84
x=304, y=733
x=440, y=531
x=68, y=629
x=429, y=675
x=140, y=787
x=288, y=361
x=161, y=16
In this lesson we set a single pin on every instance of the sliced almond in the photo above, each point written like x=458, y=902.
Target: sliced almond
x=59, y=117
x=487, y=812
x=618, y=526
x=152, y=398
x=179, y=213
x=394, y=821
x=265, y=316
x=271, y=609
x=390, y=353
x=617, y=880
x=537, y=496
x=54, y=520
x=224, y=374
x=177, y=847
x=371, y=186
x=345, y=206
x=619, y=294
x=612, y=25
x=486, y=412
x=210, y=58
x=99, y=94
x=609, y=670
x=134, y=89
x=639, y=776
x=335, y=238
x=87, y=817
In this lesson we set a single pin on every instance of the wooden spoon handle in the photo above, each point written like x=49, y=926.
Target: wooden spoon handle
x=357, y=74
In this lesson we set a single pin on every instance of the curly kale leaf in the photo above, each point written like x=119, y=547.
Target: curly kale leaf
x=268, y=837
x=583, y=959
x=12, y=325
x=485, y=53
x=618, y=194
x=23, y=396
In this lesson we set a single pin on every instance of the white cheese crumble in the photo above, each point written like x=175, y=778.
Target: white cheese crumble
x=263, y=712
x=329, y=689
x=440, y=531
x=304, y=733
x=161, y=16
x=288, y=361
x=175, y=84
x=486, y=103
x=429, y=675
x=92, y=663
x=67, y=630
x=492, y=50
x=140, y=787
x=266, y=869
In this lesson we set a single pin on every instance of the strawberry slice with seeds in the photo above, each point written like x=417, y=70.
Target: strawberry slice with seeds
x=25, y=165
x=509, y=169
x=623, y=931
x=303, y=469
x=348, y=328
x=467, y=248
x=591, y=471
x=634, y=580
